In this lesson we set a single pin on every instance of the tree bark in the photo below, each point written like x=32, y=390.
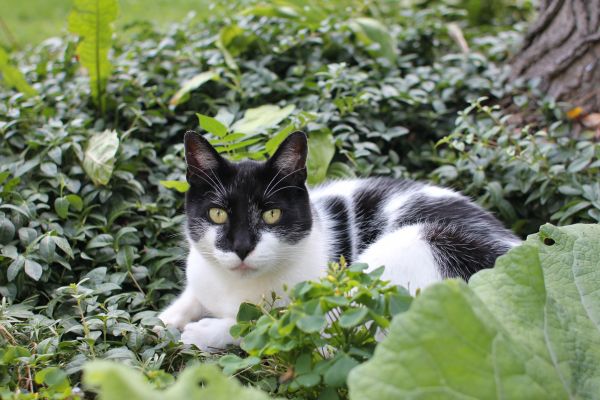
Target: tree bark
x=562, y=48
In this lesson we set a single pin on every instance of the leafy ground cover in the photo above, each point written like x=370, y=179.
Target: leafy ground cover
x=90, y=240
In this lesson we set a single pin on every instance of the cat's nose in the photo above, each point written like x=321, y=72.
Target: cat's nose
x=242, y=249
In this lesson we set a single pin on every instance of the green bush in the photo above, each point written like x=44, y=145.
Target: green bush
x=90, y=240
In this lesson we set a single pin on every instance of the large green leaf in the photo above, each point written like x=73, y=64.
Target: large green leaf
x=99, y=157
x=92, y=20
x=13, y=77
x=529, y=329
x=257, y=120
x=116, y=381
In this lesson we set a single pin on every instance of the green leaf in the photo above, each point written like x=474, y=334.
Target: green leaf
x=61, y=206
x=75, y=201
x=13, y=77
x=33, y=269
x=47, y=248
x=212, y=125
x=248, y=312
x=353, y=316
x=376, y=36
x=180, y=186
x=258, y=120
x=99, y=158
x=92, y=21
x=116, y=381
x=312, y=323
x=529, y=328
x=338, y=372
x=232, y=363
x=192, y=84
x=7, y=230
x=321, y=149
x=14, y=268
x=53, y=377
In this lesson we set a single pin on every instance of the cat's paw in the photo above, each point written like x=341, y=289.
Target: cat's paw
x=174, y=317
x=209, y=334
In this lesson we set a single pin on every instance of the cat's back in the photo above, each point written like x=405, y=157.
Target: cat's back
x=360, y=212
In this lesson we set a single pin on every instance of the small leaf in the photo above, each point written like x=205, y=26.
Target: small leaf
x=61, y=206
x=47, y=248
x=33, y=269
x=321, y=149
x=14, y=268
x=372, y=32
x=99, y=158
x=75, y=201
x=212, y=125
x=337, y=374
x=312, y=323
x=353, y=317
x=7, y=230
x=192, y=84
x=258, y=120
x=180, y=186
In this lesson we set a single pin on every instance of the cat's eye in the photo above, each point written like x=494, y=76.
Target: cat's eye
x=272, y=216
x=217, y=215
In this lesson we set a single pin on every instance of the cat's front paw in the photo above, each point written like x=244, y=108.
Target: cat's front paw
x=209, y=334
x=173, y=317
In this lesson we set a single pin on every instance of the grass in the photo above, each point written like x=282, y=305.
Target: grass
x=28, y=22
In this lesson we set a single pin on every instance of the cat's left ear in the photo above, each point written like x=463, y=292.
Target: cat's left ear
x=290, y=157
x=200, y=156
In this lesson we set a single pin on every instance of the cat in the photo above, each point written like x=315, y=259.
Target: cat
x=255, y=226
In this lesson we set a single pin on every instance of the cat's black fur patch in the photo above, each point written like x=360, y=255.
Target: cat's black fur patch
x=340, y=216
x=245, y=190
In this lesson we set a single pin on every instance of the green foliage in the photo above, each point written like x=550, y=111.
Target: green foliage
x=90, y=234
x=92, y=20
x=547, y=169
x=529, y=328
x=327, y=329
x=114, y=381
x=12, y=77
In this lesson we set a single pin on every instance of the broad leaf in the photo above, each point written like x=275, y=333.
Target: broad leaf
x=99, y=157
x=92, y=21
x=257, y=120
x=529, y=328
x=116, y=381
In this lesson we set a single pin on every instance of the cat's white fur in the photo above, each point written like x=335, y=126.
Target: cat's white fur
x=214, y=288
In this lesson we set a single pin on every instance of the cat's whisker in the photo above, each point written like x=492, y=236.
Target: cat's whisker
x=269, y=185
x=280, y=180
x=286, y=187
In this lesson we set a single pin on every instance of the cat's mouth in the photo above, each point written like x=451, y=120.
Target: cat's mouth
x=244, y=268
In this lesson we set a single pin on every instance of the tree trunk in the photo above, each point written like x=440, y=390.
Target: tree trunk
x=562, y=48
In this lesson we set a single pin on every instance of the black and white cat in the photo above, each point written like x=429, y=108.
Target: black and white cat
x=255, y=226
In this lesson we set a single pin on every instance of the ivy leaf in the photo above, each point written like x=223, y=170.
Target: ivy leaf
x=99, y=158
x=531, y=326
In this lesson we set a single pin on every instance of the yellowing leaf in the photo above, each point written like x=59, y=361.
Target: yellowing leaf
x=574, y=113
x=99, y=157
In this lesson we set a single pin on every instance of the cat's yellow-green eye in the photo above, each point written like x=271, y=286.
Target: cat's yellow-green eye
x=217, y=215
x=272, y=216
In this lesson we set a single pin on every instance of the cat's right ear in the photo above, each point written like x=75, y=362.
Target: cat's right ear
x=200, y=156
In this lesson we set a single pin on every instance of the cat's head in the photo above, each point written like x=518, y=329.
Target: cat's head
x=248, y=217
